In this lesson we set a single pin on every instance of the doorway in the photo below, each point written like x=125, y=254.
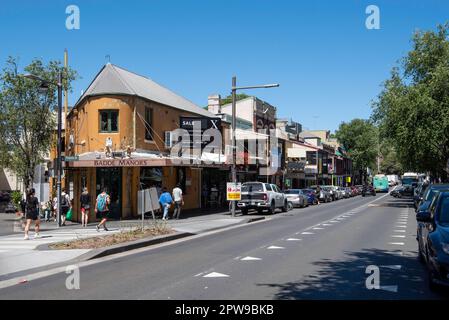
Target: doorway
x=111, y=178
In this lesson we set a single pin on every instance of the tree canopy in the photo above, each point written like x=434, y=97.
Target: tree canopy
x=412, y=111
x=360, y=139
x=27, y=115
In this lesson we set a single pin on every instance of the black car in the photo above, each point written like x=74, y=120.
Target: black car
x=419, y=193
x=403, y=191
x=433, y=239
x=427, y=197
x=368, y=190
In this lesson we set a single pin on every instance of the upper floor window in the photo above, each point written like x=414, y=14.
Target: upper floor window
x=108, y=120
x=148, y=124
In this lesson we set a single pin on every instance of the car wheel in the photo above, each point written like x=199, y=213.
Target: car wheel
x=272, y=208
x=290, y=206
x=285, y=207
x=420, y=255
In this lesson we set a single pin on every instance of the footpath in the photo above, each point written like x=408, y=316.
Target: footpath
x=19, y=257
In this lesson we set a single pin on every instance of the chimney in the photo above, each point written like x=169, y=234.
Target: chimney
x=213, y=103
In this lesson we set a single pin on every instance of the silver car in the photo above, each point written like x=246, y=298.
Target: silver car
x=297, y=198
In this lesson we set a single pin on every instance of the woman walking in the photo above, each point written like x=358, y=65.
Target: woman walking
x=32, y=214
x=85, y=207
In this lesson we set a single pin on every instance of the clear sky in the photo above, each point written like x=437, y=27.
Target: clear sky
x=329, y=65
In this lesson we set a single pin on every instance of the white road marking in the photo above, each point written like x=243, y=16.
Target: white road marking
x=274, y=247
x=389, y=288
x=400, y=226
x=397, y=243
x=293, y=239
x=305, y=233
x=398, y=236
x=400, y=222
x=250, y=259
x=317, y=228
x=215, y=275
x=398, y=230
x=326, y=224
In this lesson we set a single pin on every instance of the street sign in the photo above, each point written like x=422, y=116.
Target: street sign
x=68, y=159
x=234, y=191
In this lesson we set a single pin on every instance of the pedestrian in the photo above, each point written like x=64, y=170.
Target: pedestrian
x=85, y=207
x=65, y=206
x=317, y=194
x=102, y=208
x=165, y=200
x=32, y=214
x=179, y=201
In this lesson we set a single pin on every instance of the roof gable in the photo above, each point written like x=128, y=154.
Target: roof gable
x=114, y=80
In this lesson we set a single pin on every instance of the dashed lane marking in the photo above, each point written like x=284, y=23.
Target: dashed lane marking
x=293, y=239
x=215, y=275
x=274, y=248
x=306, y=233
x=398, y=230
x=398, y=236
x=250, y=259
x=397, y=243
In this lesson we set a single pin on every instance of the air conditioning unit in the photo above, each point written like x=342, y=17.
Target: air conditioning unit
x=168, y=139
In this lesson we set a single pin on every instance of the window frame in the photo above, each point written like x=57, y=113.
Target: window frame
x=109, y=113
x=149, y=129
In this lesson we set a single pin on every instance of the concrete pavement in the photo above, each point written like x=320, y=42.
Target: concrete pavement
x=18, y=256
x=320, y=252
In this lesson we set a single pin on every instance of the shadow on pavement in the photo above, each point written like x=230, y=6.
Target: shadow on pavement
x=345, y=280
x=398, y=203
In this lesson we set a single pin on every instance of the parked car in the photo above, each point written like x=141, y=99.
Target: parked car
x=344, y=192
x=311, y=197
x=368, y=190
x=427, y=197
x=331, y=191
x=297, y=198
x=418, y=193
x=335, y=192
x=433, y=239
x=403, y=191
x=10, y=208
x=355, y=191
x=349, y=191
x=262, y=196
x=324, y=195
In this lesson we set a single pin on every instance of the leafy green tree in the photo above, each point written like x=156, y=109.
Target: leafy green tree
x=360, y=139
x=412, y=111
x=27, y=115
x=238, y=96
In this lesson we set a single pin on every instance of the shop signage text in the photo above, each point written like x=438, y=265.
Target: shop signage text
x=121, y=163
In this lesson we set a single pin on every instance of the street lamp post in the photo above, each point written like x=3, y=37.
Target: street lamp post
x=45, y=84
x=234, y=102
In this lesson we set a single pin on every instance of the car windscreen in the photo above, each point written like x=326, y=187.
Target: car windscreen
x=252, y=187
x=444, y=211
x=291, y=191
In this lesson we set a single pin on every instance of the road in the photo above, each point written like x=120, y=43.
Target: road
x=319, y=252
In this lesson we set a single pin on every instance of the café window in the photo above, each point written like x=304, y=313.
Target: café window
x=148, y=124
x=108, y=120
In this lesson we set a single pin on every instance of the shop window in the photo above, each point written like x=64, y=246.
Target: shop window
x=148, y=124
x=108, y=120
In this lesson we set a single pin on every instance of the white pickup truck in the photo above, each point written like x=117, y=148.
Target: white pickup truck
x=262, y=196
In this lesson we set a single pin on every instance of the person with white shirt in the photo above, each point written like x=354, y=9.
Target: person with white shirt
x=179, y=201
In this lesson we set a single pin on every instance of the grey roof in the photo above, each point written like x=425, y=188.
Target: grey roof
x=307, y=134
x=114, y=80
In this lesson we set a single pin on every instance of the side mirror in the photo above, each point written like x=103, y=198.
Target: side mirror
x=423, y=216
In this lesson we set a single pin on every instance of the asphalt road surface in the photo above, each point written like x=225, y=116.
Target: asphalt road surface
x=321, y=252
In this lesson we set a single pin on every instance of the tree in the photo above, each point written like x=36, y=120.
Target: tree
x=27, y=117
x=359, y=138
x=238, y=96
x=412, y=111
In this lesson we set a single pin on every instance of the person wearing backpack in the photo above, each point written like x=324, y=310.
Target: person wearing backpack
x=32, y=214
x=166, y=200
x=102, y=208
x=65, y=206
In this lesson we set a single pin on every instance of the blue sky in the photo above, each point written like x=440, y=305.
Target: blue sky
x=329, y=66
